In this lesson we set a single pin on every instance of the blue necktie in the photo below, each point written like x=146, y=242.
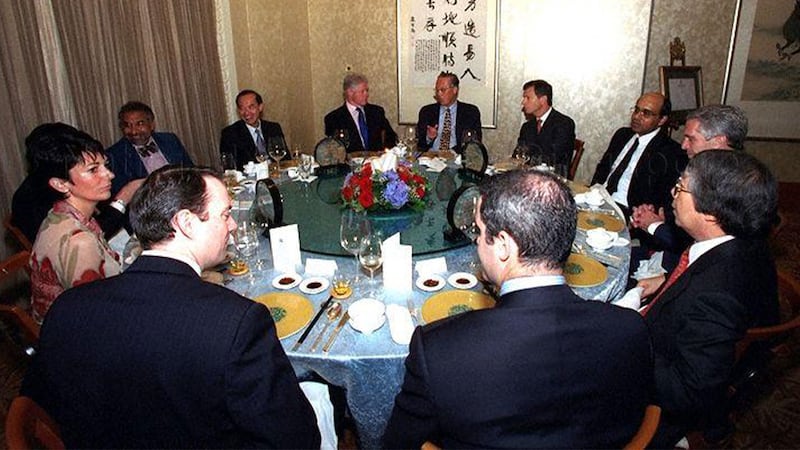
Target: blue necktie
x=362, y=127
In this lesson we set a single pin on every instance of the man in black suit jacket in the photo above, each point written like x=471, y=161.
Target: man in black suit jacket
x=158, y=358
x=727, y=202
x=431, y=122
x=653, y=165
x=378, y=133
x=544, y=368
x=240, y=138
x=552, y=141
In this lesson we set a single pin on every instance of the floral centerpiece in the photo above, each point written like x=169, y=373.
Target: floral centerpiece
x=384, y=184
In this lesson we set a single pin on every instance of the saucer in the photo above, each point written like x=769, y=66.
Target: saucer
x=599, y=246
x=462, y=280
x=314, y=285
x=430, y=283
x=286, y=281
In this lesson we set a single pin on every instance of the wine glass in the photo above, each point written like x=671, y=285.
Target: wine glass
x=371, y=258
x=354, y=230
x=304, y=167
x=521, y=155
x=296, y=152
x=277, y=151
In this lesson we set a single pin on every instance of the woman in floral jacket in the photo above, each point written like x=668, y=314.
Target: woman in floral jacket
x=70, y=248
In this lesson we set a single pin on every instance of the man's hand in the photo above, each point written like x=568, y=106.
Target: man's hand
x=126, y=193
x=650, y=285
x=645, y=215
x=432, y=132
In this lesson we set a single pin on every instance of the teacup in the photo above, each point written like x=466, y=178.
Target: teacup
x=367, y=315
x=600, y=239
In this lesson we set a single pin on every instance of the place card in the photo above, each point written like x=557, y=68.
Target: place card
x=396, y=266
x=285, y=245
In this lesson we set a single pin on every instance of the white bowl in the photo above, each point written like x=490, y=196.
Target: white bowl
x=600, y=244
x=367, y=315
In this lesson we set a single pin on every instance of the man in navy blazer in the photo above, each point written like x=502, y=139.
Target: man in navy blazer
x=141, y=151
x=158, y=358
x=432, y=118
x=542, y=369
x=240, y=137
x=549, y=135
x=379, y=133
x=727, y=201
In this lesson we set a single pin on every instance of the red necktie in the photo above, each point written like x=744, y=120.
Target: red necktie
x=538, y=126
x=679, y=269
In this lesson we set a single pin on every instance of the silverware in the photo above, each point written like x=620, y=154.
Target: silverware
x=605, y=258
x=312, y=323
x=335, y=333
x=411, y=309
x=333, y=313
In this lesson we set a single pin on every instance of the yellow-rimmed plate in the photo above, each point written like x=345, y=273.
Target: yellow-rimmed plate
x=452, y=303
x=291, y=312
x=582, y=271
x=588, y=220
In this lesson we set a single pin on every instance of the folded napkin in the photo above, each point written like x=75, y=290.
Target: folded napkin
x=607, y=197
x=387, y=162
x=294, y=176
x=593, y=197
x=322, y=267
x=400, y=324
x=433, y=164
x=631, y=300
x=431, y=266
x=650, y=268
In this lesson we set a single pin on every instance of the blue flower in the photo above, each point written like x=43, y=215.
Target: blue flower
x=396, y=193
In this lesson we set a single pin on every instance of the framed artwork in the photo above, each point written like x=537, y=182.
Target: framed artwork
x=684, y=87
x=763, y=72
x=447, y=36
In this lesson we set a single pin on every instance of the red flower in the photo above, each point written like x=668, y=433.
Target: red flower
x=404, y=174
x=421, y=191
x=365, y=198
x=418, y=179
x=366, y=170
x=347, y=193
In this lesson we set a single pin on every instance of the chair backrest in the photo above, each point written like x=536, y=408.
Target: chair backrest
x=23, y=240
x=330, y=151
x=8, y=268
x=789, y=296
x=576, y=159
x=652, y=415
x=29, y=426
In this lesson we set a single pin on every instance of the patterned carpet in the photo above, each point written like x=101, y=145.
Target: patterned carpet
x=767, y=417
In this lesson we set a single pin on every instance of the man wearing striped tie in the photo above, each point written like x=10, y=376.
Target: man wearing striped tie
x=442, y=125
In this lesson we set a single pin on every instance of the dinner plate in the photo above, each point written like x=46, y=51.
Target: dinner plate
x=430, y=283
x=462, y=280
x=588, y=220
x=286, y=281
x=452, y=303
x=290, y=312
x=583, y=271
x=314, y=285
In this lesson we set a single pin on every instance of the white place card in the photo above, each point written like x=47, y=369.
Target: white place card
x=396, y=266
x=285, y=244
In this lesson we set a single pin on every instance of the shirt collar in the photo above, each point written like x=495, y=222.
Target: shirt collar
x=545, y=115
x=698, y=249
x=184, y=259
x=518, y=284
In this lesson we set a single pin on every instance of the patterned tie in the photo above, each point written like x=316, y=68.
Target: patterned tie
x=444, y=143
x=538, y=126
x=147, y=150
x=683, y=263
x=261, y=146
x=613, y=179
x=362, y=128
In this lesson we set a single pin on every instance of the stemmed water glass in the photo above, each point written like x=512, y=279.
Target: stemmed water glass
x=521, y=155
x=371, y=258
x=354, y=231
x=277, y=151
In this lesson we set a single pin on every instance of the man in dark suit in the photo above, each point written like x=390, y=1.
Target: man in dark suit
x=544, y=368
x=549, y=135
x=141, y=151
x=726, y=283
x=642, y=162
x=441, y=125
x=366, y=124
x=250, y=136
x=158, y=358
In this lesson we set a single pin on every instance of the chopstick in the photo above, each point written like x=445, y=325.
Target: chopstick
x=312, y=323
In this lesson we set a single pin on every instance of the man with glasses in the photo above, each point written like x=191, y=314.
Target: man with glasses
x=724, y=284
x=441, y=125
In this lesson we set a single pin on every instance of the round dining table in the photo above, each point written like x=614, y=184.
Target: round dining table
x=370, y=366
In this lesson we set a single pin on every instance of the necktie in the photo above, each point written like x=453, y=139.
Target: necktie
x=362, y=128
x=538, y=126
x=147, y=150
x=613, y=179
x=261, y=146
x=683, y=263
x=444, y=142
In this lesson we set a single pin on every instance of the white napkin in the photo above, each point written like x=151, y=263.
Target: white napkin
x=320, y=400
x=400, y=324
x=607, y=197
x=262, y=170
x=631, y=300
x=433, y=164
x=431, y=266
x=387, y=162
x=322, y=267
x=285, y=244
x=593, y=197
x=396, y=266
x=650, y=268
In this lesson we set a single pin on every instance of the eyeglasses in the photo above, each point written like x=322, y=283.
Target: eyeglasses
x=444, y=89
x=645, y=112
x=677, y=189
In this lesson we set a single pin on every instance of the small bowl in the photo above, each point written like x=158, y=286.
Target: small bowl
x=367, y=315
x=599, y=244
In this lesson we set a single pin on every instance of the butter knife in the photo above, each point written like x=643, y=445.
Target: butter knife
x=335, y=332
x=312, y=323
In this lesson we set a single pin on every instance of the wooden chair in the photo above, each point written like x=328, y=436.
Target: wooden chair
x=29, y=426
x=576, y=159
x=23, y=241
x=652, y=415
x=28, y=327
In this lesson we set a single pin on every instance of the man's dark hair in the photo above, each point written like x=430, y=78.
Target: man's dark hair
x=735, y=188
x=540, y=87
x=135, y=106
x=244, y=92
x=666, y=108
x=536, y=209
x=165, y=192
x=722, y=120
x=452, y=78
x=52, y=149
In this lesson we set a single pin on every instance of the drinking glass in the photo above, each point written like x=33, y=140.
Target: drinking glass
x=277, y=151
x=246, y=239
x=354, y=230
x=521, y=155
x=296, y=152
x=371, y=258
x=228, y=161
x=304, y=167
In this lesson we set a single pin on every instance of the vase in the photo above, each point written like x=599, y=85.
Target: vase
x=394, y=221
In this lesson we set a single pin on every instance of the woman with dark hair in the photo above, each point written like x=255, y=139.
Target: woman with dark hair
x=70, y=248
